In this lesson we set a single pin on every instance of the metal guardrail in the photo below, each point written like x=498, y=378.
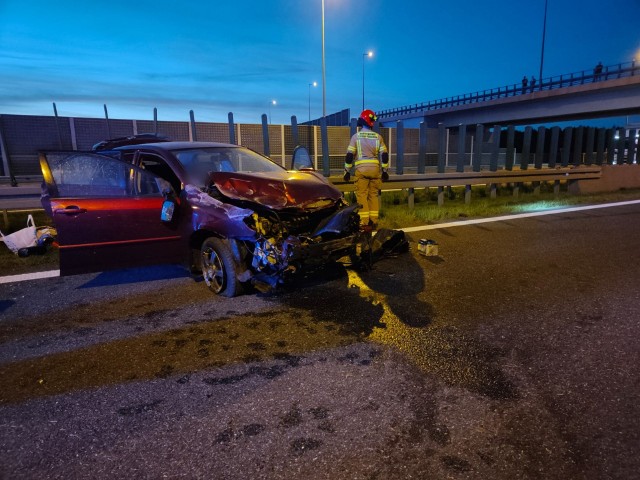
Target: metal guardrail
x=487, y=177
x=621, y=70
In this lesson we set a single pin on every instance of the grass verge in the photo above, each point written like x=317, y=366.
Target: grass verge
x=394, y=212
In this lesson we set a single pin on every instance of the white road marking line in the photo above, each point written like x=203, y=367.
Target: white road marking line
x=516, y=216
x=30, y=276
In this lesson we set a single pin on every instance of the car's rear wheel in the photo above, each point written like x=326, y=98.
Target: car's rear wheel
x=219, y=268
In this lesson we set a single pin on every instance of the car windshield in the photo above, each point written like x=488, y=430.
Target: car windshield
x=199, y=162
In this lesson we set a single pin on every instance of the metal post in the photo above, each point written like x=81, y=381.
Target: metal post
x=600, y=145
x=442, y=159
x=283, y=154
x=265, y=135
x=553, y=148
x=155, y=120
x=539, y=158
x=400, y=147
x=442, y=139
x=106, y=116
x=632, y=146
x=511, y=151
x=422, y=147
x=577, y=146
x=477, y=153
x=55, y=114
x=6, y=163
x=495, y=148
x=462, y=141
x=193, y=136
x=566, y=146
x=232, y=130
x=591, y=137
x=294, y=130
x=326, y=167
x=610, y=142
x=526, y=148
x=324, y=71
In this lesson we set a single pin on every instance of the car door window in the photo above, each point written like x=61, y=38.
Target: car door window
x=157, y=165
x=91, y=175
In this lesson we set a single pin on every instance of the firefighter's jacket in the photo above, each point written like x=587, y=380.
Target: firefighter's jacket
x=366, y=147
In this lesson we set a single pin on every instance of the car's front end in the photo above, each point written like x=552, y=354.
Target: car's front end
x=286, y=223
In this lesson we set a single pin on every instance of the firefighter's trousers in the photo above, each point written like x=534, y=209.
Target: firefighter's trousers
x=368, y=183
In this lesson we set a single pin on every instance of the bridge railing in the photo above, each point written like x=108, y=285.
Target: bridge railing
x=609, y=72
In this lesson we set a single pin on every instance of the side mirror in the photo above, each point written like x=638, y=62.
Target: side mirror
x=168, y=207
x=301, y=160
x=169, y=204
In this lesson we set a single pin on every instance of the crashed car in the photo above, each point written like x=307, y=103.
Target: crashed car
x=223, y=210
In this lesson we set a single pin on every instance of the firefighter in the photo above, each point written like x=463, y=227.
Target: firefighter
x=371, y=157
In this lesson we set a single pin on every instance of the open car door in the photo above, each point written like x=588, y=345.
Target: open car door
x=107, y=213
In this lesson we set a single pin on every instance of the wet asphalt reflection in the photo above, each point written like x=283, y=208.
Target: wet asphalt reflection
x=498, y=359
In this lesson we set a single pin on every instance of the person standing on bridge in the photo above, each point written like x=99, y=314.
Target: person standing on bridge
x=597, y=71
x=525, y=82
x=371, y=157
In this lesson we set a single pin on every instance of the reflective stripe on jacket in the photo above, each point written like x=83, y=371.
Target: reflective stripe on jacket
x=366, y=146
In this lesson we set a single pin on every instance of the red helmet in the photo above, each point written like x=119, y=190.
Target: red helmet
x=369, y=117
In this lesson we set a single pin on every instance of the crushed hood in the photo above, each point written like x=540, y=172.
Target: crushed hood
x=277, y=190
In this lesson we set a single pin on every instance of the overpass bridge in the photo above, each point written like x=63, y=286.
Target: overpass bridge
x=582, y=95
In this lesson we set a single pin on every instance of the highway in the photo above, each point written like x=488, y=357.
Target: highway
x=511, y=355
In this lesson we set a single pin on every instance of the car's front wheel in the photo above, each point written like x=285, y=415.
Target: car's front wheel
x=219, y=268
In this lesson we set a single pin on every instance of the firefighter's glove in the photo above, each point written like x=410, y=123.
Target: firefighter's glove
x=347, y=176
x=385, y=176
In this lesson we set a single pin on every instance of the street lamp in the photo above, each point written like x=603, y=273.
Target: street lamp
x=364, y=55
x=272, y=102
x=315, y=84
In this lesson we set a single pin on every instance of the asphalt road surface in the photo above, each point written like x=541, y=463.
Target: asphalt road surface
x=512, y=355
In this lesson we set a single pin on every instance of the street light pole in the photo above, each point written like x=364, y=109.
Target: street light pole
x=544, y=34
x=364, y=55
x=324, y=73
x=315, y=84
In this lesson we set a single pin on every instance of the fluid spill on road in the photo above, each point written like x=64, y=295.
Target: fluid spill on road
x=445, y=351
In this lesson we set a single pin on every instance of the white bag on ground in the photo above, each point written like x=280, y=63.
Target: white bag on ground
x=24, y=238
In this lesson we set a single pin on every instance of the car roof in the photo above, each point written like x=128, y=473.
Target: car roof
x=177, y=145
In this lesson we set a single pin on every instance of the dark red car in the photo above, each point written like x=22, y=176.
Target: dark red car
x=223, y=210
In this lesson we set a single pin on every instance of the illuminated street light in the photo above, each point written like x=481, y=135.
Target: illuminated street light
x=364, y=55
x=315, y=84
x=272, y=102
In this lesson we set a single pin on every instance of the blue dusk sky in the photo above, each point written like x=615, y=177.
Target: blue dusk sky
x=215, y=57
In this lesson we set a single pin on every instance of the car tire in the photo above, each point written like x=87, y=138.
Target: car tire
x=219, y=268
